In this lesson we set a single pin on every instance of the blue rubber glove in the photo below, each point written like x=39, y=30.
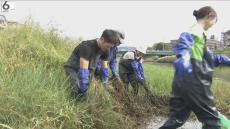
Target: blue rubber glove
x=105, y=76
x=135, y=66
x=141, y=69
x=113, y=68
x=98, y=67
x=113, y=62
x=83, y=76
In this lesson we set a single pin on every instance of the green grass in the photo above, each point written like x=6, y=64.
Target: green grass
x=160, y=78
x=221, y=89
x=226, y=51
x=33, y=86
x=34, y=90
x=222, y=73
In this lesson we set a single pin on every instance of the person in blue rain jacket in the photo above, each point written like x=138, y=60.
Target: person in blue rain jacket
x=194, y=66
x=131, y=69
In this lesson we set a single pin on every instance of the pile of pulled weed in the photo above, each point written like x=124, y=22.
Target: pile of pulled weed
x=138, y=107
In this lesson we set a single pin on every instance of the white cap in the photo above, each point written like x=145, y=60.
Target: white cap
x=141, y=49
x=129, y=55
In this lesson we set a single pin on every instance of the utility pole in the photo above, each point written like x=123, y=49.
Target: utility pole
x=222, y=40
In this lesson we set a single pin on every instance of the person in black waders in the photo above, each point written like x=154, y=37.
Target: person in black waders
x=131, y=69
x=81, y=64
x=193, y=76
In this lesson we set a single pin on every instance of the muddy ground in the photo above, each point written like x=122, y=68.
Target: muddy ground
x=156, y=122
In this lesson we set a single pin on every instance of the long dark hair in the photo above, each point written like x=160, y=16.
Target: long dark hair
x=205, y=11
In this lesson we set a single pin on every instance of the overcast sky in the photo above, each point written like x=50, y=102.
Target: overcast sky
x=144, y=22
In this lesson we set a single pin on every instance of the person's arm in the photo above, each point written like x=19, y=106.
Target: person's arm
x=83, y=73
x=141, y=70
x=182, y=51
x=135, y=66
x=84, y=63
x=105, y=73
x=104, y=69
x=113, y=63
x=98, y=67
x=220, y=59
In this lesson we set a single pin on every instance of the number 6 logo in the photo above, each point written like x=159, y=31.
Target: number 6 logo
x=6, y=6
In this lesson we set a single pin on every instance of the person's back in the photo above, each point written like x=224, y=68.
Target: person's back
x=125, y=63
x=87, y=49
x=131, y=69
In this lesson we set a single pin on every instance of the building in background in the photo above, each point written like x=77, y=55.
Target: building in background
x=124, y=49
x=173, y=42
x=225, y=39
x=213, y=44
